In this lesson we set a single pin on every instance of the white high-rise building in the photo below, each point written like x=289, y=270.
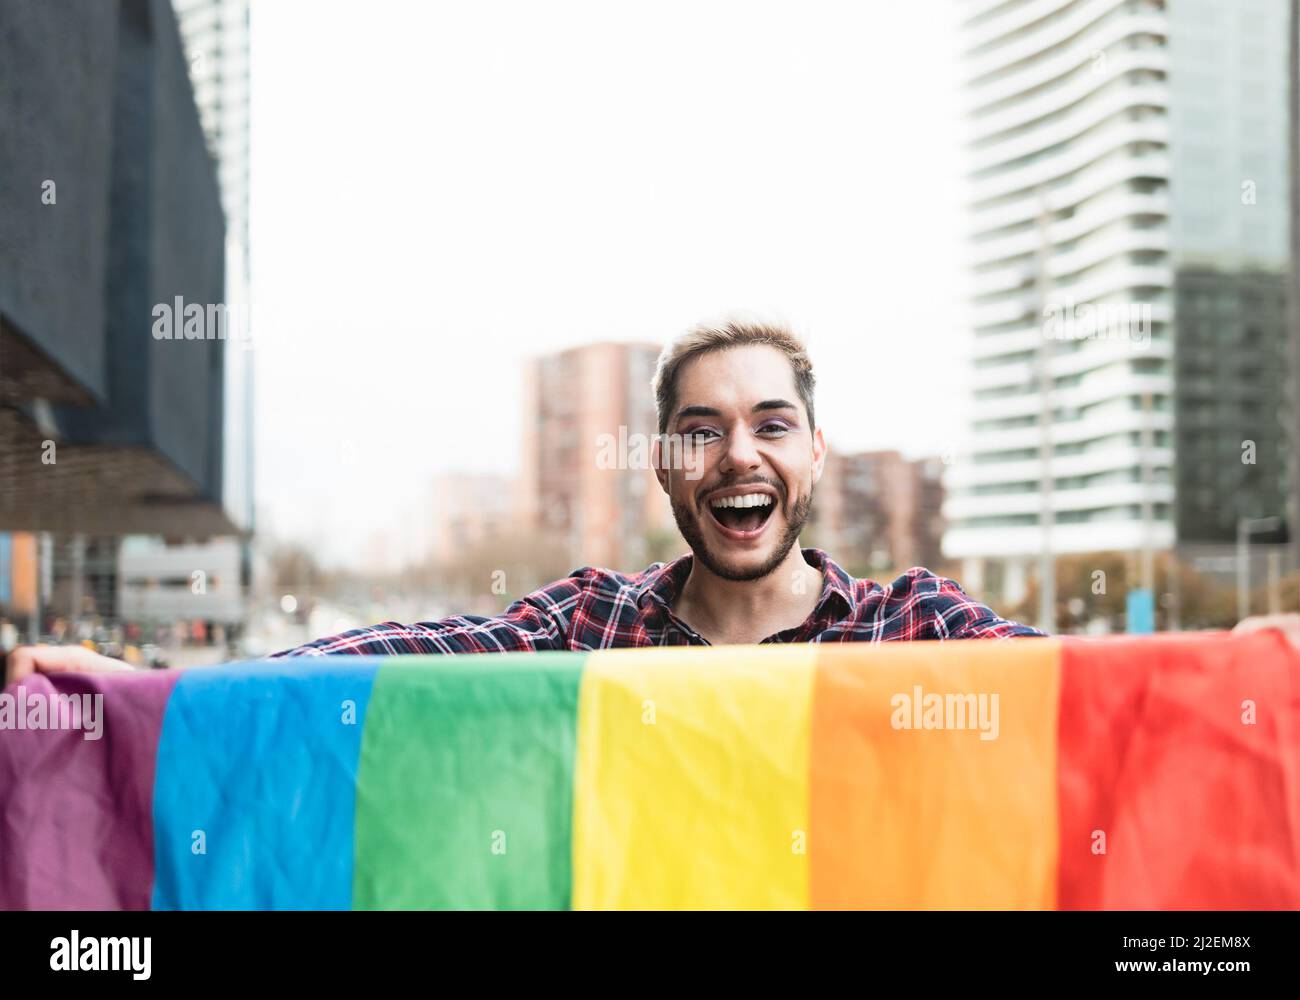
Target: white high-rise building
x=1127, y=166
x=216, y=38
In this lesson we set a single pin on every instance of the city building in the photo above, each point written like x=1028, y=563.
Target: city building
x=158, y=573
x=216, y=36
x=1128, y=256
x=106, y=428
x=162, y=581
x=589, y=417
x=877, y=512
x=19, y=586
x=469, y=510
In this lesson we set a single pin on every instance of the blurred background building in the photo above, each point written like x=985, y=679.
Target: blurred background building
x=469, y=509
x=166, y=579
x=105, y=429
x=215, y=34
x=1129, y=208
x=603, y=516
x=878, y=513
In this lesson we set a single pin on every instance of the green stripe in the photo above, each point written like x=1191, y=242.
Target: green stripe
x=465, y=785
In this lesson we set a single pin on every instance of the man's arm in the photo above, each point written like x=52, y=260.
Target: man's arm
x=967, y=618
x=27, y=660
x=934, y=607
x=539, y=621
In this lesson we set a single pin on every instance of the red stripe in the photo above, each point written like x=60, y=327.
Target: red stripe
x=1200, y=808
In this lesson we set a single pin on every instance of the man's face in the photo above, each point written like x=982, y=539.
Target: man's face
x=753, y=460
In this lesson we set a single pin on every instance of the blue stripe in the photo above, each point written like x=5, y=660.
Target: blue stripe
x=255, y=794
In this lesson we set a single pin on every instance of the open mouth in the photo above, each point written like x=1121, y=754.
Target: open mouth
x=742, y=516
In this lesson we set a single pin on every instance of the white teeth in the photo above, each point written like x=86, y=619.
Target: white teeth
x=746, y=500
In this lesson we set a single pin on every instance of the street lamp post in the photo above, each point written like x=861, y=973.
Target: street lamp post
x=1043, y=358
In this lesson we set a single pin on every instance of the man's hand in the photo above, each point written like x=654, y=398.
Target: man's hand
x=26, y=660
x=1288, y=625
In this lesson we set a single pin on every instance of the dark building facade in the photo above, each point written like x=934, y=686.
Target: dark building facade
x=1232, y=440
x=110, y=209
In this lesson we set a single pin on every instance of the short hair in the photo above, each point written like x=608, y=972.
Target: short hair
x=704, y=338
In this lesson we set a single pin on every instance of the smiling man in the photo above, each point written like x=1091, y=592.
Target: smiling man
x=740, y=395
x=739, y=398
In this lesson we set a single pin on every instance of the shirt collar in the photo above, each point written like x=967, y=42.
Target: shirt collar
x=662, y=582
x=836, y=584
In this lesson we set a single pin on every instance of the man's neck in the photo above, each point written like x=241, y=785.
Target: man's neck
x=732, y=611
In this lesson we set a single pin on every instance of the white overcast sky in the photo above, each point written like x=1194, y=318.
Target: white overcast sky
x=441, y=189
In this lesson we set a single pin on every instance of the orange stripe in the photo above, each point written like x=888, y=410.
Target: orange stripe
x=934, y=818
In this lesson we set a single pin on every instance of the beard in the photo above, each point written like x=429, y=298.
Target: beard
x=688, y=524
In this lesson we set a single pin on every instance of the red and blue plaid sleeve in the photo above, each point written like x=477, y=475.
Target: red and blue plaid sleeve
x=960, y=616
x=539, y=621
x=920, y=605
x=601, y=609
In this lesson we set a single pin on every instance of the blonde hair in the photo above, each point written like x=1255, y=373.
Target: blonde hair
x=705, y=338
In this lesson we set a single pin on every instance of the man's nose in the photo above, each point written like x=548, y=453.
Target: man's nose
x=741, y=454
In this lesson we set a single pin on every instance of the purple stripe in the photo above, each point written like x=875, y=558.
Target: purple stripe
x=76, y=815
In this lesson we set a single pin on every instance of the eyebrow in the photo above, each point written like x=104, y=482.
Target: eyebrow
x=709, y=411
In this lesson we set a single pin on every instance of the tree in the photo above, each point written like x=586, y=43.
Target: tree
x=1093, y=588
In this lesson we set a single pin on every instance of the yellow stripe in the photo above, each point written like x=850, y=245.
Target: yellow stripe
x=691, y=783
x=935, y=818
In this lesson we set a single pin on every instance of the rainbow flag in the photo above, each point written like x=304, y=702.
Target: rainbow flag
x=1159, y=772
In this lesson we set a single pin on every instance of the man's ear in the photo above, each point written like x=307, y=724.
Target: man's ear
x=819, y=455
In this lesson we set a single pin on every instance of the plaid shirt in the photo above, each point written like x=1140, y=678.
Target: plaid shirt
x=601, y=609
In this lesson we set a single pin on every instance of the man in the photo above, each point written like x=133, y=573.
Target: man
x=740, y=396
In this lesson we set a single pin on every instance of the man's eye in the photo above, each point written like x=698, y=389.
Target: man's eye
x=702, y=434
x=773, y=430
